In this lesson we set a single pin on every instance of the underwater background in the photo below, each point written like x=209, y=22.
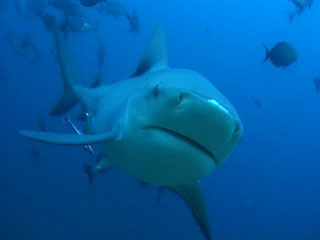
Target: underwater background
x=267, y=189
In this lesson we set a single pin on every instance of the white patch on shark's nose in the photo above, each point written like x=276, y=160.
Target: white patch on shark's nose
x=217, y=104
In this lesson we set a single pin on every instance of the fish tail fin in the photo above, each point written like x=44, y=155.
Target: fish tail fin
x=89, y=170
x=71, y=79
x=267, y=54
x=317, y=83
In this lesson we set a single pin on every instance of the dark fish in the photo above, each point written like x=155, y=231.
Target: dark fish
x=300, y=6
x=281, y=55
x=317, y=83
x=133, y=22
x=256, y=102
x=90, y=3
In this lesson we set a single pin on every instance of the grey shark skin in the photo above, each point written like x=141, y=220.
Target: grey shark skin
x=168, y=127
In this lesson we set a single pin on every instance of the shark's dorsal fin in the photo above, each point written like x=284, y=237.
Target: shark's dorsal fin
x=193, y=196
x=155, y=56
x=71, y=139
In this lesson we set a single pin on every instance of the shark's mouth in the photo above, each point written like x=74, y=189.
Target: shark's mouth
x=188, y=141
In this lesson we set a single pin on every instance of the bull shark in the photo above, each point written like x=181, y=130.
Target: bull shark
x=164, y=126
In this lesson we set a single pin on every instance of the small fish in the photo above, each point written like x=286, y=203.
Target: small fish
x=133, y=22
x=281, y=55
x=300, y=7
x=91, y=3
x=256, y=102
x=77, y=131
x=302, y=4
x=298, y=4
x=317, y=84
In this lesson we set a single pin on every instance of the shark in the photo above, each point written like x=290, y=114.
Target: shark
x=166, y=127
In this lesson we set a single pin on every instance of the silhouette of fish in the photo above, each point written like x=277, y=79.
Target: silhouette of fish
x=281, y=55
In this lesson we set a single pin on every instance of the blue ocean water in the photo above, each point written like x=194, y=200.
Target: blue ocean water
x=267, y=189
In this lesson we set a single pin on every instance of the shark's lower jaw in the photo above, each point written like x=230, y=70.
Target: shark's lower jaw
x=161, y=156
x=187, y=140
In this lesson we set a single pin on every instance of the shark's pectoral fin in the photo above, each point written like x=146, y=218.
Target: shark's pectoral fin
x=192, y=194
x=71, y=139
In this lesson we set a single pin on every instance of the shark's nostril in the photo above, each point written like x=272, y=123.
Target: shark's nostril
x=181, y=97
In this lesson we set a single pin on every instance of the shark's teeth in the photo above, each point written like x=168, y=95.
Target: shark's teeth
x=216, y=103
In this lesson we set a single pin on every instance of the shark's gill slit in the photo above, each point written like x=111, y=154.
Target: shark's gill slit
x=187, y=140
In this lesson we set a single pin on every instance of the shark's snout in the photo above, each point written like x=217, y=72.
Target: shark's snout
x=205, y=122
